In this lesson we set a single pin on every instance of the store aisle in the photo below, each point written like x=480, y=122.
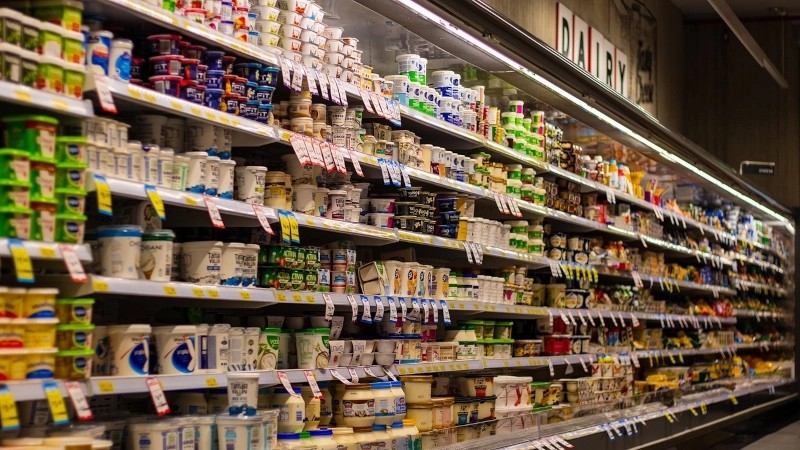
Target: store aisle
x=787, y=438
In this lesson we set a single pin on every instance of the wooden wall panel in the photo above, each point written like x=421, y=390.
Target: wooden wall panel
x=736, y=111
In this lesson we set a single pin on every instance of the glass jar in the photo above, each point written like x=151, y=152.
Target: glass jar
x=323, y=439
x=384, y=403
x=358, y=406
x=412, y=434
x=382, y=439
x=422, y=413
x=313, y=406
x=292, y=410
x=399, y=401
x=365, y=438
x=345, y=439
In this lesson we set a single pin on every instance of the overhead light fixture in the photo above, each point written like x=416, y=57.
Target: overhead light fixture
x=452, y=29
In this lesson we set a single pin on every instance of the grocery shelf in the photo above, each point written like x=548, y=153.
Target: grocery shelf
x=114, y=385
x=246, y=132
x=369, y=235
x=46, y=250
x=298, y=376
x=761, y=287
x=52, y=103
x=762, y=314
x=433, y=367
x=670, y=284
x=180, y=24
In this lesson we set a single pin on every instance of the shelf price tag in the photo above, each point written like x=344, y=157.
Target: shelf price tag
x=262, y=219
x=300, y=149
x=392, y=309
x=366, y=315
x=311, y=76
x=213, y=212
x=155, y=199
x=498, y=198
x=57, y=407
x=284, y=379
x=378, y=309
x=365, y=98
x=403, y=308
x=414, y=315
x=312, y=383
x=425, y=311
x=297, y=76
x=294, y=227
x=356, y=163
x=342, y=92
x=22, y=261
x=353, y=374
x=335, y=374
x=329, y=308
x=322, y=78
x=104, y=93
x=103, y=195
x=157, y=394
x=733, y=399
x=286, y=71
x=73, y=263
x=79, y=400
x=354, y=306
x=434, y=310
x=445, y=312
x=562, y=441
x=286, y=231
x=336, y=96
x=635, y=320
x=8, y=410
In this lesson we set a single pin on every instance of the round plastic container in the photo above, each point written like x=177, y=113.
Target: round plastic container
x=156, y=255
x=250, y=181
x=175, y=346
x=120, y=251
x=201, y=262
x=129, y=349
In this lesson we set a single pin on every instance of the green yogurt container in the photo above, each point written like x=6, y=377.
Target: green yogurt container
x=71, y=175
x=70, y=228
x=14, y=165
x=73, y=50
x=15, y=193
x=43, y=221
x=74, y=76
x=15, y=222
x=30, y=34
x=11, y=26
x=51, y=40
x=71, y=149
x=29, y=68
x=10, y=69
x=72, y=201
x=36, y=134
x=66, y=13
x=43, y=178
x=51, y=75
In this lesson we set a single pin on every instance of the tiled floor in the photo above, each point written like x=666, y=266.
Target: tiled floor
x=787, y=438
x=775, y=430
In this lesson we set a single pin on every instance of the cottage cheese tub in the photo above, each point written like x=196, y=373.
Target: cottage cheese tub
x=240, y=432
x=176, y=349
x=201, y=262
x=129, y=349
x=119, y=251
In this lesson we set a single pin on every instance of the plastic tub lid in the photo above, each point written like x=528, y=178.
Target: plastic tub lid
x=284, y=436
x=75, y=327
x=25, y=118
x=119, y=230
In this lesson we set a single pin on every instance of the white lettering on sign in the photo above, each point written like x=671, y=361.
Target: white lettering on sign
x=564, y=30
x=596, y=52
x=580, y=39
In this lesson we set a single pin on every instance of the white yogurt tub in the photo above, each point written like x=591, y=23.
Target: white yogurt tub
x=337, y=200
x=180, y=169
x=201, y=262
x=212, y=175
x=230, y=266
x=250, y=181
x=129, y=350
x=226, y=176
x=195, y=172
x=303, y=198
x=249, y=261
x=161, y=435
x=242, y=389
x=176, y=349
x=119, y=251
x=216, y=359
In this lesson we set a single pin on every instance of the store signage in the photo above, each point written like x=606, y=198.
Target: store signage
x=757, y=168
x=591, y=51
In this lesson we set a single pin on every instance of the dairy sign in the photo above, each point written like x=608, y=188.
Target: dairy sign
x=591, y=51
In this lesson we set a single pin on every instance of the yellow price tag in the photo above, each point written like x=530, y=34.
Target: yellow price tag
x=23, y=96
x=22, y=261
x=106, y=387
x=103, y=195
x=733, y=399
x=213, y=293
x=669, y=417
x=280, y=296
x=198, y=292
x=171, y=291
x=100, y=286
x=244, y=295
x=57, y=407
x=310, y=299
x=452, y=367
x=703, y=408
x=671, y=358
x=680, y=357
x=297, y=298
x=286, y=231
x=693, y=411
x=47, y=252
x=8, y=410
x=155, y=199
x=294, y=228
x=402, y=371
x=211, y=382
x=190, y=201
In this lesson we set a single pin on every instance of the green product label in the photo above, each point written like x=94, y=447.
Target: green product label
x=296, y=280
x=289, y=257
x=273, y=341
x=73, y=83
x=30, y=38
x=29, y=72
x=10, y=64
x=12, y=31
x=325, y=340
x=73, y=51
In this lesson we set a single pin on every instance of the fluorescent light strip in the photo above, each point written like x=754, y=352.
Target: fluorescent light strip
x=432, y=17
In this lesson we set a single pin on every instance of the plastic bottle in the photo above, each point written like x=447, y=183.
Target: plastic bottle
x=613, y=173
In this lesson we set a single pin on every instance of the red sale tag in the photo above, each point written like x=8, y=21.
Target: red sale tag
x=73, y=263
x=262, y=218
x=213, y=212
x=79, y=400
x=157, y=394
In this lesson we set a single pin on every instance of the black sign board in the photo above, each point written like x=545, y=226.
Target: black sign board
x=757, y=168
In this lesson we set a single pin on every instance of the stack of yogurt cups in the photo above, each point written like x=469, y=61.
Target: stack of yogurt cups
x=302, y=33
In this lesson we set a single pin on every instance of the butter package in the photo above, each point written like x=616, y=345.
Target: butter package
x=373, y=278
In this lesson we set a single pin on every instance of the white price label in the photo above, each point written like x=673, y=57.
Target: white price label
x=403, y=308
x=328, y=306
x=312, y=383
x=434, y=310
x=392, y=309
x=445, y=312
x=104, y=94
x=79, y=401
x=311, y=77
x=335, y=374
x=157, y=395
x=378, y=310
x=73, y=263
x=426, y=311
x=356, y=163
x=366, y=315
x=322, y=78
x=354, y=305
x=262, y=219
x=353, y=374
x=286, y=71
x=297, y=76
x=213, y=212
x=365, y=98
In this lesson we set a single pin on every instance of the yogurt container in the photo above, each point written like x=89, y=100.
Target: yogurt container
x=129, y=349
x=175, y=347
x=120, y=251
x=36, y=134
x=74, y=310
x=156, y=255
x=250, y=181
x=74, y=337
x=231, y=264
x=201, y=262
x=240, y=432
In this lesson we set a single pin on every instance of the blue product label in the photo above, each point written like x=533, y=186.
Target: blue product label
x=75, y=175
x=80, y=338
x=99, y=58
x=138, y=358
x=73, y=150
x=182, y=358
x=122, y=66
x=80, y=363
x=72, y=230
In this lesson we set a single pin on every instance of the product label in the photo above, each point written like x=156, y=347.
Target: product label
x=359, y=408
